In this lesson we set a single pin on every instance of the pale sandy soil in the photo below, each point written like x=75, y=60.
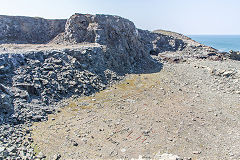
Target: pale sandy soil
x=183, y=110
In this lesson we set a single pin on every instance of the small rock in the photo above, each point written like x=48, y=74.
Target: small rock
x=227, y=73
x=196, y=152
x=123, y=150
x=30, y=139
x=27, y=131
x=237, y=92
x=75, y=144
x=41, y=155
x=84, y=139
x=166, y=156
x=231, y=154
x=2, y=149
x=12, y=149
x=57, y=156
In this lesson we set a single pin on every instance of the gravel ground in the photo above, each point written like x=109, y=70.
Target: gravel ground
x=188, y=109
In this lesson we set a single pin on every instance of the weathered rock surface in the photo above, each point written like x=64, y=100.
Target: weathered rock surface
x=235, y=55
x=175, y=47
x=116, y=33
x=19, y=29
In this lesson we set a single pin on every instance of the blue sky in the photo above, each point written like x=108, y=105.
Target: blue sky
x=184, y=16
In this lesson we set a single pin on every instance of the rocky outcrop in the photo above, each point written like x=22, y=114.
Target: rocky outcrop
x=159, y=43
x=18, y=29
x=235, y=55
x=121, y=34
x=115, y=32
x=175, y=47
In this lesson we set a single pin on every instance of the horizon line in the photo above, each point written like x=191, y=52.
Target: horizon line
x=212, y=34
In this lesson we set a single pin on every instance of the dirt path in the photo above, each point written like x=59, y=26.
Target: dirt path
x=180, y=110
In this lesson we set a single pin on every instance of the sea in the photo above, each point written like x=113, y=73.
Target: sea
x=223, y=43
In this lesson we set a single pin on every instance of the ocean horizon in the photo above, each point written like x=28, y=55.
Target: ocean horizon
x=223, y=43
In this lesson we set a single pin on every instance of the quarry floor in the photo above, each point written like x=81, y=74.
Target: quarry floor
x=180, y=110
x=21, y=48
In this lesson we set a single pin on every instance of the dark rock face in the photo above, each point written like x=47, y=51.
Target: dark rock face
x=16, y=29
x=6, y=105
x=174, y=47
x=115, y=32
x=158, y=43
x=76, y=29
x=235, y=55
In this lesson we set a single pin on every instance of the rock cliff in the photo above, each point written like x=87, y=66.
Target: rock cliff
x=19, y=29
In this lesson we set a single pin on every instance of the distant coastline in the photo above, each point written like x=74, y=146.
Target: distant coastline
x=221, y=42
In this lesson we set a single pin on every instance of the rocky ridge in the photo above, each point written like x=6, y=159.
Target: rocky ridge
x=19, y=29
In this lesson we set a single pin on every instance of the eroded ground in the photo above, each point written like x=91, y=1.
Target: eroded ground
x=183, y=110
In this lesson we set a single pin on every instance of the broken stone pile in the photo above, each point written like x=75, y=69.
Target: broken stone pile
x=32, y=81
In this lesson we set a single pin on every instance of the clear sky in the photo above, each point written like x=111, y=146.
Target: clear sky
x=184, y=16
